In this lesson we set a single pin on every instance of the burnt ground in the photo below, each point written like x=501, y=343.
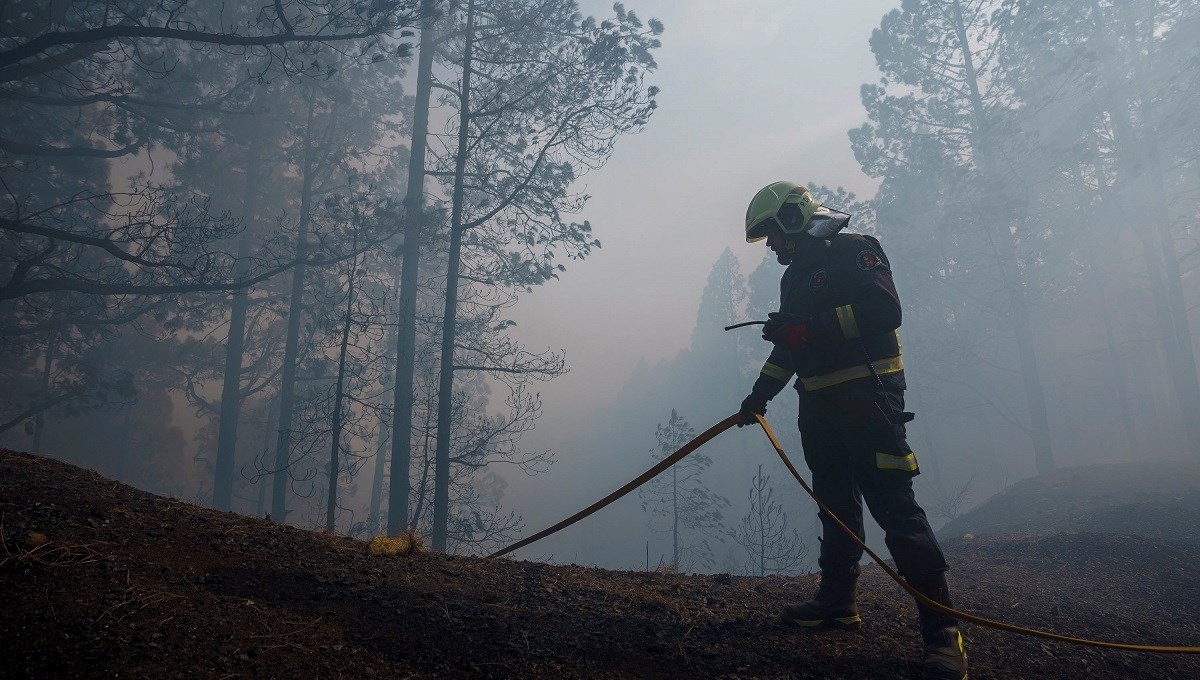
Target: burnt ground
x=134, y=585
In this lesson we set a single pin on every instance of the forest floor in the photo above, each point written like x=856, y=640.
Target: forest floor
x=134, y=585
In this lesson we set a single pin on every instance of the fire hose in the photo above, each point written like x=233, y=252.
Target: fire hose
x=710, y=433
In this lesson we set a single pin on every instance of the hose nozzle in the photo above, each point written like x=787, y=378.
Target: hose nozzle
x=745, y=323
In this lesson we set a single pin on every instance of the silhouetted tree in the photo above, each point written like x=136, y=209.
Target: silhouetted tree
x=773, y=547
x=1112, y=107
x=542, y=95
x=144, y=74
x=681, y=495
x=939, y=134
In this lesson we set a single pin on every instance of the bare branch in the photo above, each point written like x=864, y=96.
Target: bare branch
x=65, y=152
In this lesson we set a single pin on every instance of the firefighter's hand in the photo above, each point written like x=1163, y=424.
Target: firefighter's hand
x=751, y=405
x=786, y=329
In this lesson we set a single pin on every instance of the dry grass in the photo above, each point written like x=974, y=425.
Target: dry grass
x=404, y=544
x=39, y=549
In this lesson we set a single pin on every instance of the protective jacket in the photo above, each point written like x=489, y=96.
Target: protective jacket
x=842, y=288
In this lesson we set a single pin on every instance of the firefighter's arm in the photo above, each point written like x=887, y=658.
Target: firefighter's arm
x=775, y=374
x=875, y=308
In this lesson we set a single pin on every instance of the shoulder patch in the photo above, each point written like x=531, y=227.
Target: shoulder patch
x=866, y=260
x=818, y=280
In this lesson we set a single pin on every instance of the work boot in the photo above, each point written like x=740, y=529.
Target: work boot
x=833, y=605
x=945, y=656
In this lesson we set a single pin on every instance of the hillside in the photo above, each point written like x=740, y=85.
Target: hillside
x=1154, y=499
x=134, y=585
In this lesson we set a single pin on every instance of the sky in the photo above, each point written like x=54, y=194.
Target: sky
x=753, y=91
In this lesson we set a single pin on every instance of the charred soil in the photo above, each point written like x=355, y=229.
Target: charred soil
x=101, y=580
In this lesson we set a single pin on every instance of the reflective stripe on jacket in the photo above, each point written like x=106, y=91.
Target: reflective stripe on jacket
x=843, y=287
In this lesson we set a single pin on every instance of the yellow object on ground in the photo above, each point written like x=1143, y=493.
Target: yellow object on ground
x=394, y=545
x=35, y=541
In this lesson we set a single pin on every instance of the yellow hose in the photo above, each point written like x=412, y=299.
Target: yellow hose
x=962, y=616
x=646, y=476
x=734, y=419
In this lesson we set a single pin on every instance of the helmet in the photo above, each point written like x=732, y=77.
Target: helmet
x=786, y=204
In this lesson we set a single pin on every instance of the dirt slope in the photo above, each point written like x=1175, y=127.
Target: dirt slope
x=133, y=585
x=1154, y=499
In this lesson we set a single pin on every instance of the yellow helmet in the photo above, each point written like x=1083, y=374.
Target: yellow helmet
x=786, y=204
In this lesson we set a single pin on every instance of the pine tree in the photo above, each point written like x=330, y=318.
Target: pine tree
x=541, y=96
x=941, y=136
x=722, y=352
x=682, y=496
x=773, y=548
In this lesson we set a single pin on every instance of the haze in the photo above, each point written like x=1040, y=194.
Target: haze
x=1039, y=205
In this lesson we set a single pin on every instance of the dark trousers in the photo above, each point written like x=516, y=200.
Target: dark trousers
x=856, y=453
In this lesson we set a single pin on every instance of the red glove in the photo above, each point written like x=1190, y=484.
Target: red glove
x=786, y=329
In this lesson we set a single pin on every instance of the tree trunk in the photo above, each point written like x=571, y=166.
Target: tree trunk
x=1183, y=357
x=39, y=420
x=423, y=487
x=441, y=468
x=1022, y=325
x=235, y=343
x=674, y=517
x=1135, y=149
x=262, y=481
x=1120, y=382
x=762, y=527
x=1162, y=267
x=127, y=436
x=1035, y=397
x=338, y=395
x=291, y=350
x=1115, y=360
x=383, y=440
x=406, y=338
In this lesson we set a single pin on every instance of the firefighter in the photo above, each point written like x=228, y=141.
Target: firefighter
x=836, y=332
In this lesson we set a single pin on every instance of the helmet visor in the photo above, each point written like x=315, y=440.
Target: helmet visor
x=758, y=231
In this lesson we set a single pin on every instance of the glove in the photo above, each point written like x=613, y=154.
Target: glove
x=754, y=404
x=786, y=329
